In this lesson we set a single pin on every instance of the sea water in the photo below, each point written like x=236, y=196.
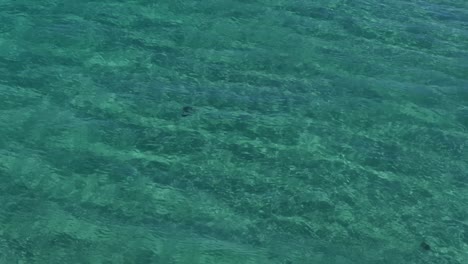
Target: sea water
x=318, y=131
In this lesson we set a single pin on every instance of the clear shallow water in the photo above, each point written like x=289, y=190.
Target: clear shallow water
x=322, y=132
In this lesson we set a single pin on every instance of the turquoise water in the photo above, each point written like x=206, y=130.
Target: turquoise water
x=263, y=131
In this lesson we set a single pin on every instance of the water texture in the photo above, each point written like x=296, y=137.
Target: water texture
x=213, y=132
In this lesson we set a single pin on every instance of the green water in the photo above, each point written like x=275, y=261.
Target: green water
x=331, y=132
